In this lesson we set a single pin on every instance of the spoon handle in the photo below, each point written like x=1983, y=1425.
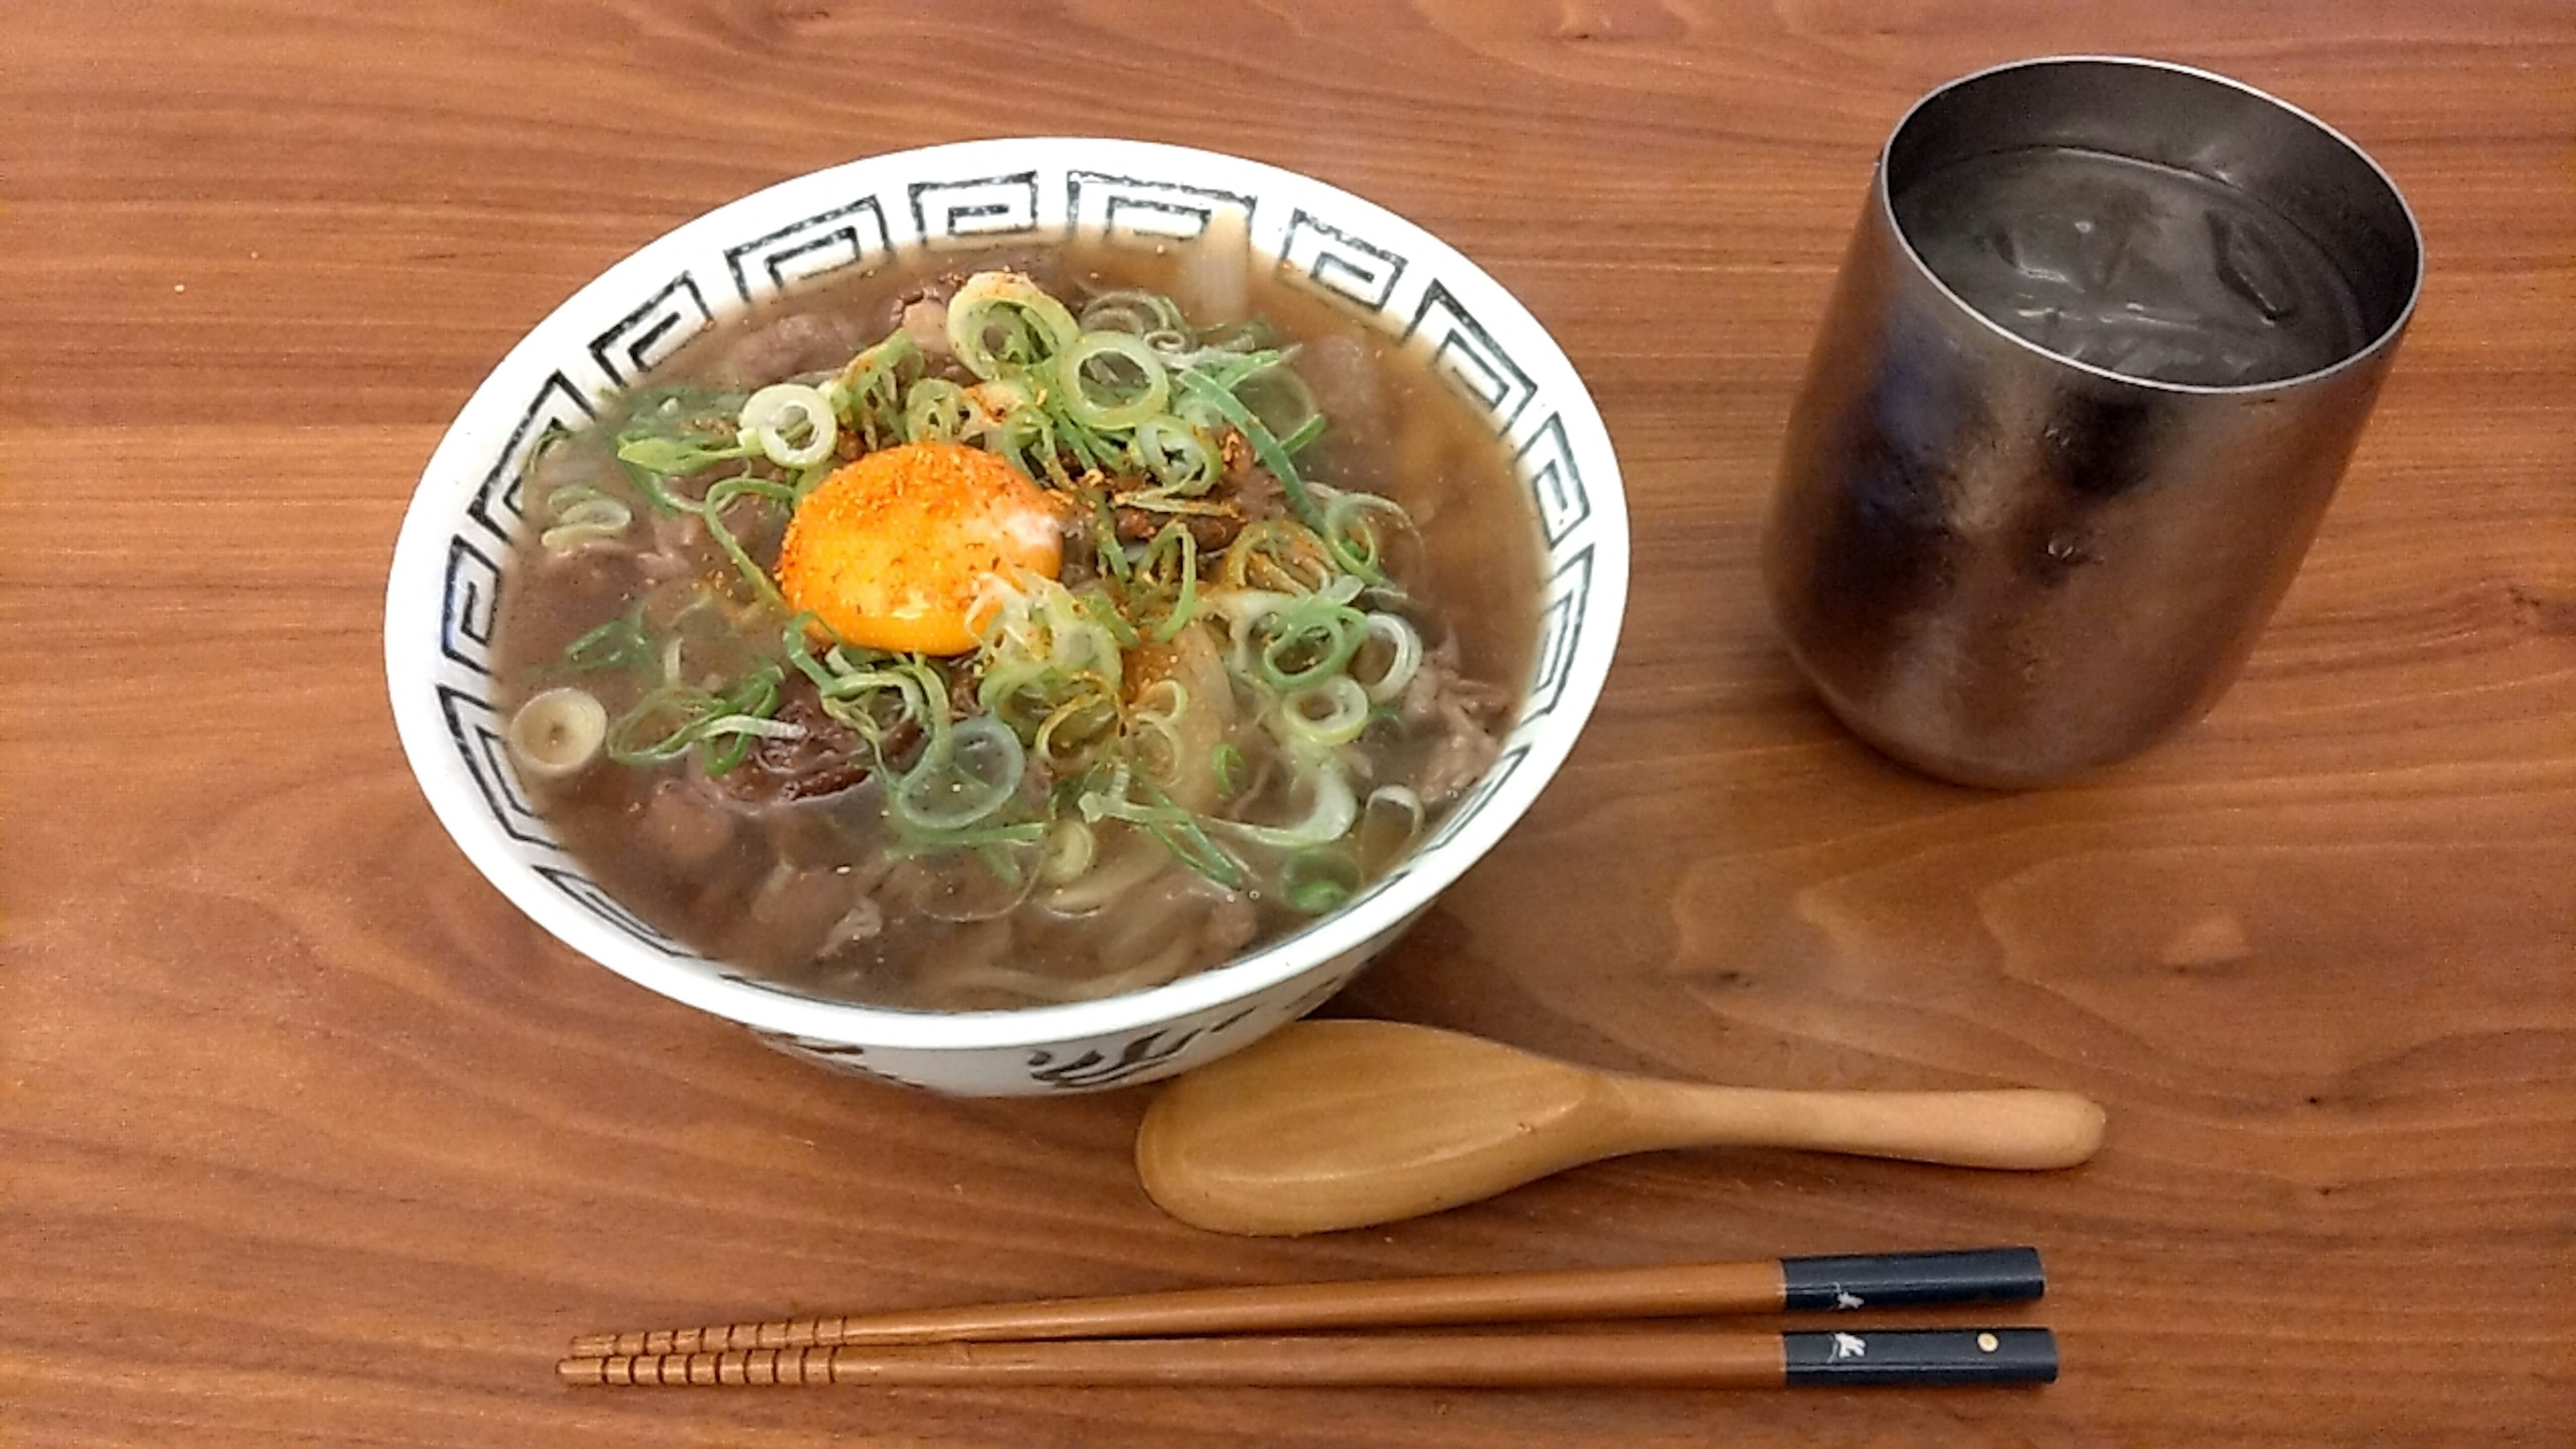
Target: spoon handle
x=2023, y=1129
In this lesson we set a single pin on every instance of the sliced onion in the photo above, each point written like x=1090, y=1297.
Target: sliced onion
x=557, y=733
x=776, y=410
x=1216, y=270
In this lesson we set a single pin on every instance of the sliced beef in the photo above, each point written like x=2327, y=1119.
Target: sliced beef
x=1244, y=493
x=1441, y=684
x=1245, y=486
x=1458, y=714
x=1213, y=532
x=938, y=291
x=686, y=825
x=792, y=346
x=827, y=758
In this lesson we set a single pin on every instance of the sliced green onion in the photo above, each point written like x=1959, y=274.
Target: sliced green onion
x=582, y=515
x=1404, y=656
x=557, y=733
x=1236, y=360
x=1180, y=831
x=1067, y=851
x=1120, y=862
x=721, y=727
x=1129, y=309
x=1351, y=539
x=1189, y=844
x=781, y=413
x=1309, y=644
x=1096, y=402
x=1316, y=881
x=1396, y=798
x=1179, y=543
x=1028, y=438
x=678, y=457
x=1329, y=714
x=1094, y=706
x=869, y=390
x=1229, y=770
x=976, y=773
x=621, y=643
x=935, y=411
x=1298, y=441
x=1283, y=402
x=918, y=840
x=675, y=709
x=1328, y=818
x=1098, y=610
x=1035, y=326
x=1266, y=447
x=750, y=724
x=1175, y=455
x=722, y=496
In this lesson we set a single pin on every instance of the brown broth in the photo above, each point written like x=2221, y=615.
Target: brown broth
x=758, y=885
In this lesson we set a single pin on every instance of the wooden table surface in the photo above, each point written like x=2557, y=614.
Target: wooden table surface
x=307, y=1137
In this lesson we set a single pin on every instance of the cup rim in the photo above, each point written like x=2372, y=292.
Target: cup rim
x=1884, y=201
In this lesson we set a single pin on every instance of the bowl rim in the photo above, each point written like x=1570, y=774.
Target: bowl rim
x=414, y=597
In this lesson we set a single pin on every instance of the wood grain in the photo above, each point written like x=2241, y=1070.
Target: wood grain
x=294, y=1109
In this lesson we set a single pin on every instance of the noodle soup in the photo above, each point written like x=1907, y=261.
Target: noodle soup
x=1018, y=630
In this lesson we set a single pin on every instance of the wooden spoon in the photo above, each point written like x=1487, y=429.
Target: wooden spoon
x=1339, y=1124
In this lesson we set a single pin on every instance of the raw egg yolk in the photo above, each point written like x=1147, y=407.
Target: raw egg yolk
x=892, y=551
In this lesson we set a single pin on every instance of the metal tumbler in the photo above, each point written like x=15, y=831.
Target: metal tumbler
x=2101, y=347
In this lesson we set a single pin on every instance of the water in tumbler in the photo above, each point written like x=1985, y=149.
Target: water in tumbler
x=2132, y=267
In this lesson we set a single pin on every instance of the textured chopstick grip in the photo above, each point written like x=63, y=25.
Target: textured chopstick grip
x=750, y=1367
x=1896, y=1280
x=1899, y=1358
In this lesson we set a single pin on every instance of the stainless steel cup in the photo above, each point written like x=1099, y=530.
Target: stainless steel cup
x=2004, y=565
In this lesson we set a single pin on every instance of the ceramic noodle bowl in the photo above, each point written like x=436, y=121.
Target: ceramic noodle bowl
x=451, y=567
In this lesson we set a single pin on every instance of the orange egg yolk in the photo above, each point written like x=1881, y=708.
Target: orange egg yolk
x=893, y=551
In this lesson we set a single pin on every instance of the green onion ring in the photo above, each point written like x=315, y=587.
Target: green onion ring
x=776, y=410
x=991, y=296
x=961, y=780
x=1090, y=401
x=1328, y=715
x=1317, y=881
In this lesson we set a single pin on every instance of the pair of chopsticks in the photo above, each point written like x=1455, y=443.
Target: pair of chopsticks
x=1269, y=1335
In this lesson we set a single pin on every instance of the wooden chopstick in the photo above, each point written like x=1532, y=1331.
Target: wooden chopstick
x=1880, y=1280
x=1658, y=1358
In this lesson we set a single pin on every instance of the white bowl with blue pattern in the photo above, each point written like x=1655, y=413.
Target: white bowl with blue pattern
x=446, y=576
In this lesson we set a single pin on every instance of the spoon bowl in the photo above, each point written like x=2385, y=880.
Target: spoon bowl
x=1341, y=1124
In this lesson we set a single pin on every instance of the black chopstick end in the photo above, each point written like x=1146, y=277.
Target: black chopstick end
x=1921, y=1357
x=1895, y=1280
